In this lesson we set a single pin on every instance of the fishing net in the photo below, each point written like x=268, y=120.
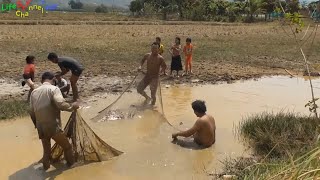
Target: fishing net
x=129, y=105
x=87, y=146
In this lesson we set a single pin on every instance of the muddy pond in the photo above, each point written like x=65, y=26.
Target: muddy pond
x=146, y=138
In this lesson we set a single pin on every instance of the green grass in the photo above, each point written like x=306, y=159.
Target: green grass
x=13, y=108
x=284, y=145
x=276, y=135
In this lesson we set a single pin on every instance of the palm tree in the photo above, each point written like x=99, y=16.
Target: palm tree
x=253, y=7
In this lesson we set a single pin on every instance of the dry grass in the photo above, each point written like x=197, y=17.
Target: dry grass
x=222, y=52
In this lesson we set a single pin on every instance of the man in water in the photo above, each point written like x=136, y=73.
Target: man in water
x=154, y=62
x=203, y=130
x=45, y=105
x=66, y=64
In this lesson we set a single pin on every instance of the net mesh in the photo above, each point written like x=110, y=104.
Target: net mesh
x=122, y=107
x=127, y=106
x=87, y=146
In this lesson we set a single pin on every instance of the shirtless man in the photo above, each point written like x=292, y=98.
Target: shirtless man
x=203, y=130
x=154, y=62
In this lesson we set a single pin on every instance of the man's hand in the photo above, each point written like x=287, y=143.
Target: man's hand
x=174, y=136
x=75, y=105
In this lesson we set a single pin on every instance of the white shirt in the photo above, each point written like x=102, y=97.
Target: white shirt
x=46, y=102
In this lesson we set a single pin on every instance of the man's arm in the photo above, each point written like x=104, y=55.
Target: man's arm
x=178, y=48
x=65, y=83
x=63, y=70
x=61, y=103
x=163, y=66
x=171, y=50
x=143, y=60
x=188, y=132
x=32, y=113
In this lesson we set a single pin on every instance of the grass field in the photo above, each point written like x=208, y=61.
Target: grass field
x=114, y=48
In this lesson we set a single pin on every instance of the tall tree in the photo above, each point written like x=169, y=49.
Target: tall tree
x=75, y=5
x=136, y=6
x=268, y=6
x=253, y=7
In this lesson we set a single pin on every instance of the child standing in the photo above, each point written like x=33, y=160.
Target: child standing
x=28, y=74
x=161, y=49
x=176, y=58
x=188, y=49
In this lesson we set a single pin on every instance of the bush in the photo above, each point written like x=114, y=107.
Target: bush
x=101, y=9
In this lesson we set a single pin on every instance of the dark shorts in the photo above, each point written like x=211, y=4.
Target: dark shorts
x=27, y=76
x=176, y=64
x=77, y=72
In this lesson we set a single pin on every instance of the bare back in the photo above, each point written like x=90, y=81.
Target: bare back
x=206, y=131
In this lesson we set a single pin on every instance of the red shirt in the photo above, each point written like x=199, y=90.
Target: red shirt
x=29, y=69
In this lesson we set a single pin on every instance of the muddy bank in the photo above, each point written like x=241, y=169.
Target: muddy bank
x=90, y=85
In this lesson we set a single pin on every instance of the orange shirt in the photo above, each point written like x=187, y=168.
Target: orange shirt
x=29, y=69
x=188, y=50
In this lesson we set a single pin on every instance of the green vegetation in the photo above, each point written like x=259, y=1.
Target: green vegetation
x=280, y=133
x=102, y=9
x=213, y=10
x=284, y=144
x=13, y=108
x=75, y=5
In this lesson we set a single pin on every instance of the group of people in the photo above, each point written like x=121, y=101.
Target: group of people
x=65, y=63
x=28, y=76
x=175, y=51
x=203, y=130
x=47, y=101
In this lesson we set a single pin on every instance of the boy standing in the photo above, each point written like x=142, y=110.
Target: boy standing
x=28, y=74
x=161, y=49
x=66, y=64
x=188, y=49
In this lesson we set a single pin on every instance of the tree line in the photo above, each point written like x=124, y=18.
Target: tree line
x=215, y=10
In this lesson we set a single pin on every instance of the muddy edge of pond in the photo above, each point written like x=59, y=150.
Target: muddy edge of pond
x=94, y=85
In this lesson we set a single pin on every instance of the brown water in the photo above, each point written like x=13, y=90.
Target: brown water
x=146, y=139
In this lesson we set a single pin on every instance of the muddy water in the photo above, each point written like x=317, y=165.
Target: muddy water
x=146, y=139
